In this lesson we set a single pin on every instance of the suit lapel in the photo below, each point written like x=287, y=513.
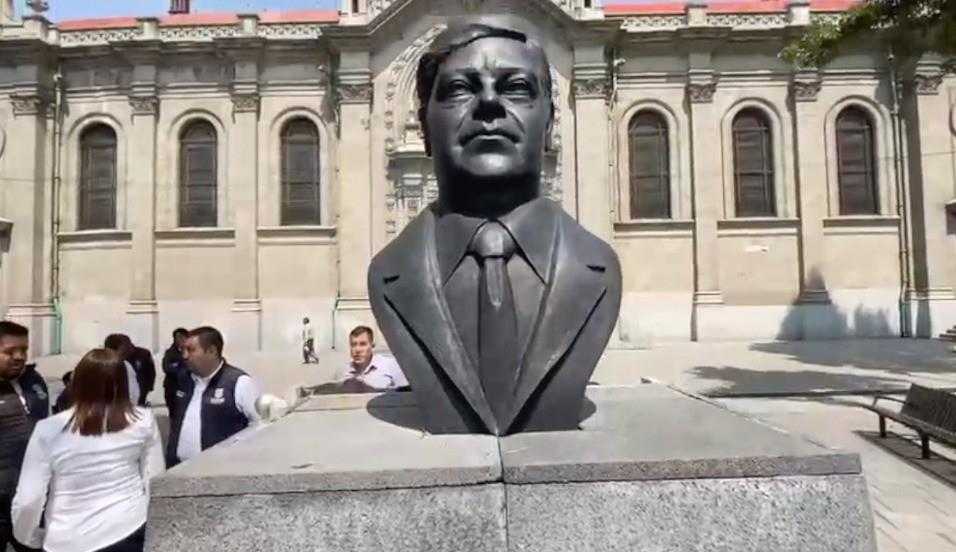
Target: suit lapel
x=413, y=290
x=574, y=291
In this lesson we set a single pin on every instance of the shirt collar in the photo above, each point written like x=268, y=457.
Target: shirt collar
x=208, y=378
x=531, y=225
x=371, y=366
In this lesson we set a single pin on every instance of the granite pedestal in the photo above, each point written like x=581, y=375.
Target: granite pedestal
x=651, y=470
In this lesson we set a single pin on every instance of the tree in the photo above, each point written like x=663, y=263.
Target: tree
x=909, y=28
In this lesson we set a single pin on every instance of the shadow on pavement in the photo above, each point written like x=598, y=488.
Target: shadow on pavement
x=740, y=382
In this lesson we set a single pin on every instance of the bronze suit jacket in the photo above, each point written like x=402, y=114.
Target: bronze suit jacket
x=578, y=312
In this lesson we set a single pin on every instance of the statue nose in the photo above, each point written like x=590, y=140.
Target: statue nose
x=489, y=105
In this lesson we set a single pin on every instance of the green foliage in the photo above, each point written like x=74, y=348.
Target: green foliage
x=909, y=28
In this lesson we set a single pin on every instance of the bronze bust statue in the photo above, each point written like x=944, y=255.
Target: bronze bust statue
x=495, y=302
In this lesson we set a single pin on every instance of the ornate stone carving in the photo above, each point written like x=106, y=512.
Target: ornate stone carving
x=354, y=93
x=652, y=23
x=27, y=105
x=701, y=92
x=98, y=36
x=806, y=90
x=245, y=103
x=294, y=30
x=748, y=20
x=144, y=105
x=198, y=33
x=927, y=84
x=594, y=87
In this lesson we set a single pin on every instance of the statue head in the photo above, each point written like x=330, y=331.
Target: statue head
x=485, y=108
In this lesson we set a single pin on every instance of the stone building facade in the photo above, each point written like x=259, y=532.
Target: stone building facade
x=241, y=170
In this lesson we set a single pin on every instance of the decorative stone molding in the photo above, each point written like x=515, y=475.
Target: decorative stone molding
x=806, y=90
x=701, y=92
x=652, y=23
x=198, y=33
x=354, y=93
x=927, y=84
x=593, y=87
x=99, y=36
x=245, y=103
x=27, y=105
x=748, y=20
x=146, y=105
x=294, y=30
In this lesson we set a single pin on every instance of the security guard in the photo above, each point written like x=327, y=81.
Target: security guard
x=214, y=401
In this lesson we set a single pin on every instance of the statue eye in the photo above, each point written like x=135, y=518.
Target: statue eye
x=518, y=87
x=457, y=88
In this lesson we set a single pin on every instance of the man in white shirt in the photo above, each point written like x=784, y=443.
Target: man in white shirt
x=214, y=401
x=123, y=346
x=376, y=371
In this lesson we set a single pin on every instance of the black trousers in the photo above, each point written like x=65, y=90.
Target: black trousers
x=6, y=528
x=133, y=543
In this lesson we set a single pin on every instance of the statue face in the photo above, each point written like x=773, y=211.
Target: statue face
x=487, y=120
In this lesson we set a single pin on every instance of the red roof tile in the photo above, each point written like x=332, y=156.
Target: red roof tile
x=645, y=9
x=303, y=16
x=189, y=19
x=105, y=23
x=722, y=6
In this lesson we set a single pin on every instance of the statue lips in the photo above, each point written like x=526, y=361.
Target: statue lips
x=489, y=134
x=494, y=140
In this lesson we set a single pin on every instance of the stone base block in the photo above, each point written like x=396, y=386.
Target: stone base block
x=650, y=469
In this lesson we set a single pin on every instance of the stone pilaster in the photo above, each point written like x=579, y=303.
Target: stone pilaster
x=246, y=327
x=705, y=128
x=591, y=90
x=142, y=311
x=810, y=120
x=353, y=93
x=932, y=304
x=27, y=205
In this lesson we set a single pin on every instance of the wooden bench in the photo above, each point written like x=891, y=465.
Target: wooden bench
x=931, y=412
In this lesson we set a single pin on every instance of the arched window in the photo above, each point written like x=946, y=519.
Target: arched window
x=649, y=166
x=856, y=163
x=753, y=165
x=97, y=178
x=197, y=175
x=301, y=173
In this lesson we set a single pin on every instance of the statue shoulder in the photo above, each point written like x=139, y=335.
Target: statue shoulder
x=408, y=244
x=586, y=245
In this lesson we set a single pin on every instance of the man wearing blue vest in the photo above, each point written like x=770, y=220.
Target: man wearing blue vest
x=214, y=400
x=24, y=401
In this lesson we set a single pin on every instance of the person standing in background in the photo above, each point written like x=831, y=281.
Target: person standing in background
x=214, y=402
x=122, y=345
x=86, y=470
x=145, y=368
x=24, y=401
x=174, y=367
x=308, y=342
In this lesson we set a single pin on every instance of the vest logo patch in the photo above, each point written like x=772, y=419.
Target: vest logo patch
x=218, y=396
x=41, y=394
x=180, y=394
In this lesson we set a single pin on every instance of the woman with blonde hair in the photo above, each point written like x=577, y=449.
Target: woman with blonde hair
x=86, y=471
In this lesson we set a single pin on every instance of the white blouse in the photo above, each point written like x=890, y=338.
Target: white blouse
x=94, y=489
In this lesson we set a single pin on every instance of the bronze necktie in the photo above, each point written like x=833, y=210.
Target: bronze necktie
x=498, y=355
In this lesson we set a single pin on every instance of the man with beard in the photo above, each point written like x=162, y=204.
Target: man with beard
x=24, y=400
